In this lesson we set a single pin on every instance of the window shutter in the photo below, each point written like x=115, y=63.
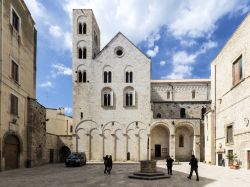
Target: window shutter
x=134, y=96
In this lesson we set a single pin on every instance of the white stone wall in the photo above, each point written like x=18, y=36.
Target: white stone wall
x=98, y=136
x=57, y=122
x=232, y=102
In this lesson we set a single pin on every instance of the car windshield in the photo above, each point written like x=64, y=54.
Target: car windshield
x=73, y=156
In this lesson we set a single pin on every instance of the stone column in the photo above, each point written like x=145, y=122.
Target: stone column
x=90, y=156
x=138, y=145
x=172, y=146
x=197, y=146
x=114, y=148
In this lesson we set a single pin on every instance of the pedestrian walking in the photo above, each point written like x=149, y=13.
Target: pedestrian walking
x=110, y=163
x=105, y=159
x=194, y=167
x=169, y=165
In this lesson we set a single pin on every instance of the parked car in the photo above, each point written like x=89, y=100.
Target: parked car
x=76, y=159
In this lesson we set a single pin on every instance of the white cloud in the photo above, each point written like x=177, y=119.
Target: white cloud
x=151, y=39
x=138, y=19
x=68, y=110
x=36, y=8
x=47, y=84
x=188, y=43
x=182, y=61
x=162, y=63
x=153, y=52
x=55, y=31
x=60, y=69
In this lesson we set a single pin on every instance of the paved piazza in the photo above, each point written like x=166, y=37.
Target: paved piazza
x=92, y=175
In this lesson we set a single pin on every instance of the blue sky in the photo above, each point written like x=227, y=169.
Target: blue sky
x=181, y=36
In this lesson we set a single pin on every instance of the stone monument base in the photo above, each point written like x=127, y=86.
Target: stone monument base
x=148, y=171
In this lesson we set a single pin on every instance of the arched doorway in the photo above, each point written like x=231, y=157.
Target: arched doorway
x=159, y=142
x=184, y=142
x=64, y=152
x=11, y=152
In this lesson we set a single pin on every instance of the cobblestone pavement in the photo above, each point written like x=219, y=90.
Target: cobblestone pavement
x=92, y=175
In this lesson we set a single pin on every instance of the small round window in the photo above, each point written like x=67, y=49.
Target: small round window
x=119, y=51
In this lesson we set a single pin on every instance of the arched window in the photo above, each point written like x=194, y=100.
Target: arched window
x=84, y=77
x=183, y=113
x=181, y=141
x=193, y=94
x=105, y=76
x=203, y=111
x=107, y=97
x=109, y=76
x=129, y=97
x=168, y=95
x=84, y=28
x=80, y=29
x=129, y=77
x=158, y=115
x=79, y=76
x=84, y=53
x=80, y=53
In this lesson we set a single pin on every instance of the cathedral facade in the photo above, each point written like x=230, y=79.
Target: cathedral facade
x=118, y=110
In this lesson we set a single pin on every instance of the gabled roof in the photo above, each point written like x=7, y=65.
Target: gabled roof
x=119, y=33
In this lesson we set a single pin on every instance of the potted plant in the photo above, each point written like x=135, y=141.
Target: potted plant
x=232, y=160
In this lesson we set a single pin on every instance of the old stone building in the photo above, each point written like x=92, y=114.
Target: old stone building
x=36, y=134
x=58, y=135
x=227, y=124
x=17, y=81
x=118, y=110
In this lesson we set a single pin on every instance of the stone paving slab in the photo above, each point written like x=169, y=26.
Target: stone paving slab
x=92, y=176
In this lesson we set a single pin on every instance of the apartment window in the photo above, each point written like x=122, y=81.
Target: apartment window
x=15, y=20
x=14, y=71
x=237, y=71
x=229, y=134
x=13, y=104
x=181, y=141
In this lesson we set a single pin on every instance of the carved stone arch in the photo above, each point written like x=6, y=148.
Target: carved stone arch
x=113, y=126
x=188, y=124
x=81, y=67
x=14, y=133
x=81, y=43
x=77, y=128
x=135, y=125
x=81, y=18
x=165, y=124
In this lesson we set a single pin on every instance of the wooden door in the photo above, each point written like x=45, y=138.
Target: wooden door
x=157, y=150
x=11, y=152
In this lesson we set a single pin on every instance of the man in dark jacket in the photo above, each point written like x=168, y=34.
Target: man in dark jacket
x=110, y=163
x=194, y=167
x=169, y=164
x=105, y=159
